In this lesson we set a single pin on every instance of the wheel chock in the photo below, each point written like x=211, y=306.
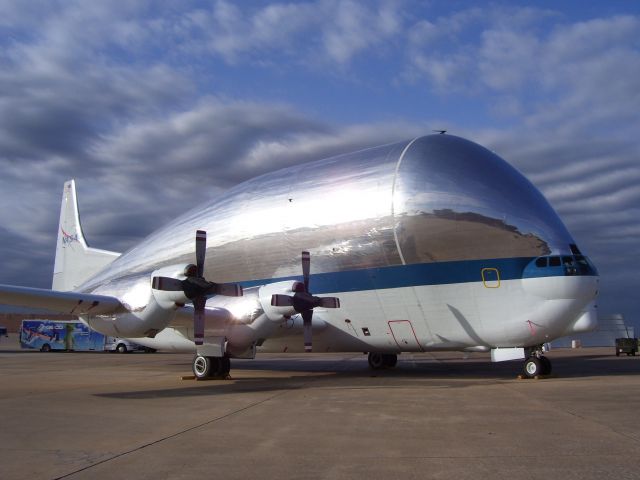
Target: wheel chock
x=537, y=377
x=193, y=377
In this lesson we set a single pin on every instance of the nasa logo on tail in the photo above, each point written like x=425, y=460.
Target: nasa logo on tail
x=67, y=238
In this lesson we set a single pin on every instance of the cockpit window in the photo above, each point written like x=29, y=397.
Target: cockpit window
x=554, y=261
x=541, y=262
x=567, y=265
x=580, y=260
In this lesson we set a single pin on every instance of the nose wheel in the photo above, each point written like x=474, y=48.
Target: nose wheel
x=537, y=365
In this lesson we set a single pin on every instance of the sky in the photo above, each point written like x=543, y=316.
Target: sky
x=155, y=107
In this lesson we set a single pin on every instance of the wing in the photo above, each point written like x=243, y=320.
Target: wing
x=72, y=303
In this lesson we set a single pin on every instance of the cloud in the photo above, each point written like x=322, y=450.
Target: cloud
x=355, y=28
x=232, y=32
x=305, y=33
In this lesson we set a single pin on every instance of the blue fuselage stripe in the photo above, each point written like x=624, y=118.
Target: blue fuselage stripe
x=436, y=273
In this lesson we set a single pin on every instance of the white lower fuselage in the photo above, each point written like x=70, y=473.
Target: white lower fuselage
x=472, y=316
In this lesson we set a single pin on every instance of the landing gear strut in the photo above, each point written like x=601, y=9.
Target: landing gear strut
x=378, y=361
x=536, y=363
x=210, y=367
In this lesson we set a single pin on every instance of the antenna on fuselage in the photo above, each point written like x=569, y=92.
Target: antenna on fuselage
x=441, y=132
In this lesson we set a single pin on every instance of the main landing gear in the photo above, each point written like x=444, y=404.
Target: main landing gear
x=378, y=361
x=536, y=364
x=211, y=367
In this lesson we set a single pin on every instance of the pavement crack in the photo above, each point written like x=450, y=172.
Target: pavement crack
x=173, y=435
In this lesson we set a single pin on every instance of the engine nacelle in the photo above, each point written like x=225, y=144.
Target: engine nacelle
x=277, y=314
x=169, y=299
x=145, y=322
x=157, y=313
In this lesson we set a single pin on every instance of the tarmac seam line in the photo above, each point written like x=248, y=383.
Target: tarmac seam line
x=173, y=435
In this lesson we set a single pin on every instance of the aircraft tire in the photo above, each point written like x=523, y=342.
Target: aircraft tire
x=390, y=360
x=220, y=367
x=376, y=361
x=45, y=348
x=546, y=366
x=532, y=367
x=121, y=348
x=225, y=367
x=201, y=366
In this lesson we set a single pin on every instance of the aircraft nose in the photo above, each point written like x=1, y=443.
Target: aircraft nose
x=563, y=287
x=561, y=277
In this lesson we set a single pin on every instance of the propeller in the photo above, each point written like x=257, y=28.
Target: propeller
x=303, y=301
x=196, y=288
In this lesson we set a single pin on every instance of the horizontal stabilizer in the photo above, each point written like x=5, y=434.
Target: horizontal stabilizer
x=72, y=303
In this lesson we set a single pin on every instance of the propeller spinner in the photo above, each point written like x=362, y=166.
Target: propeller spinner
x=304, y=302
x=196, y=288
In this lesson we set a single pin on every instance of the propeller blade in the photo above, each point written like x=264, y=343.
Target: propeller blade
x=228, y=289
x=167, y=284
x=278, y=300
x=306, y=269
x=201, y=247
x=307, y=316
x=329, y=302
x=198, y=319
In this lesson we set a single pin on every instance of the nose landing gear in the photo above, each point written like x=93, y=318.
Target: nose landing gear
x=536, y=364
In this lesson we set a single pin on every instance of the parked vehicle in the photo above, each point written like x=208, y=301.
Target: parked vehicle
x=70, y=335
x=122, y=345
x=626, y=345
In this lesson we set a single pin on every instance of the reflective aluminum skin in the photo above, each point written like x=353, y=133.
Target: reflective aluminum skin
x=436, y=198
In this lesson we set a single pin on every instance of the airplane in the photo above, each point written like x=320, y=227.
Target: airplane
x=429, y=244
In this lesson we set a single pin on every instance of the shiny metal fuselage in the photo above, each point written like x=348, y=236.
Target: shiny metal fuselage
x=436, y=232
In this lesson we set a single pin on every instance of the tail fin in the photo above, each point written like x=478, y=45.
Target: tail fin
x=75, y=260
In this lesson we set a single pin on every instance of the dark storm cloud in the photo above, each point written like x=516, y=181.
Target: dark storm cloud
x=230, y=142
x=22, y=257
x=61, y=113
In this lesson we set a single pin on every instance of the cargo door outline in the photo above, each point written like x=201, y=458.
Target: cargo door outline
x=404, y=335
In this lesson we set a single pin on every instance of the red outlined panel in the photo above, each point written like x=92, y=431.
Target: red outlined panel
x=404, y=335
